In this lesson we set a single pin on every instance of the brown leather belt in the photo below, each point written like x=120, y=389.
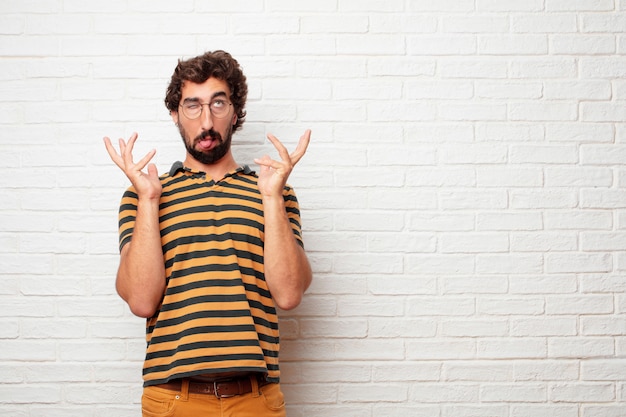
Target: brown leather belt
x=222, y=388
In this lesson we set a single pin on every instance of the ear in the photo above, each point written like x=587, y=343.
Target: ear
x=174, y=115
x=234, y=119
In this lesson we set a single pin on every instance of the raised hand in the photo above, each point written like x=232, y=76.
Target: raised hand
x=273, y=174
x=147, y=184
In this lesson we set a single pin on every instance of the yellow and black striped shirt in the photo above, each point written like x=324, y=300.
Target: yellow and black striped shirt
x=217, y=314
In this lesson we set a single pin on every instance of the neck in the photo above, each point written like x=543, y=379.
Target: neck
x=216, y=171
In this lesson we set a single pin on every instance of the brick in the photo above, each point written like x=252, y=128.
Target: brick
x=603, y=370
x=483, y=371
x=406, y=371
x=288, y=6
x=577, y=392
x=402, y=23
x=483, y=284
x=510, y=263
x=579, y=5
x=578, y=177
x=602, y=112
x=603, y=326
x=546, y=370
x=395, y=199
x=508, y=221
x=544, y=23
x=441, y=222
x=582, y=45
x=476, y=23
x=473, y=243
x=509, y=90
x=382, y=307
x=547, y=198
x=543, y=111
x=328, y=329
x=542, y=410
x=591, y=90
x=363, y=89
x=441, y=349
x=541, y=68
x=528, y=393
x=444, y=5
x=602, y=23
x=587, y=304
x=30, y=394
x=508, y=177
x=579, y=262
x=603, y=411
x=603, y=198
x=470, y=112
x=483, y=68
x=400, y=66
x=441, y=177
x=451, y=393
x=543, y=242
x=527, y=348
x=534, y=327
x=440, y=264
x=429, y=45
x=582, y=219
x=502, y=306
x=602, y=241
x=475, y=154
x=580, y=347
x=474, y=328
x=431, y=306
x=363, y=394
x=601, y=283
x=442, y=90
x=602, y=67
x=385, y=328
x=526, y=44
x=393, y=242
x=580, y=132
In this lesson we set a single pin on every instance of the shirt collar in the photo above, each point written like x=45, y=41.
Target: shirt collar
x=178, y=166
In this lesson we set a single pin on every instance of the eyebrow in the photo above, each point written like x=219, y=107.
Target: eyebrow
x=213, y=97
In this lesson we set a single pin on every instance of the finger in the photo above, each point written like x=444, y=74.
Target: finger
x=282, y=150
x=266, y=162
x=127, y=149
x=300, y=150
x=152, y=171
x=115, y=157
x=144, y=161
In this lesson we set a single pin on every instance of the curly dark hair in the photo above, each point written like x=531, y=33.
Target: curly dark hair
x=217, y=64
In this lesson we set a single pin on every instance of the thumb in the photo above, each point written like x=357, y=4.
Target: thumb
x=152, y=171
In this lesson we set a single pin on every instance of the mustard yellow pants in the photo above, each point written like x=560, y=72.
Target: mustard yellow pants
x=266, y=401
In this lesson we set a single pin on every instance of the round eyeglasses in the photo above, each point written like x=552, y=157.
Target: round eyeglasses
x=218, y=107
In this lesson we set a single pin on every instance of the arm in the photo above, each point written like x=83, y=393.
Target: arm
x=287, y=269
x=141, y=275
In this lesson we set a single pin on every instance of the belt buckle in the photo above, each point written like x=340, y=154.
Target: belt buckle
x=216, y=390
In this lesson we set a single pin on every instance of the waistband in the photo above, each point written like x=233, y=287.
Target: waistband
x=222, y=388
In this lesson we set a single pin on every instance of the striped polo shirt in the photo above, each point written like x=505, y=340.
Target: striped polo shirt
x=217, y=314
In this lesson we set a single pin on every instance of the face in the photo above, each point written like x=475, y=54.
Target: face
x=206, y=138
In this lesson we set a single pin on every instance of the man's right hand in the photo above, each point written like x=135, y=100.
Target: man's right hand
x=147, y=185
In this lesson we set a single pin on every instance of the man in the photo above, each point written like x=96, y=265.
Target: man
x=207, y=252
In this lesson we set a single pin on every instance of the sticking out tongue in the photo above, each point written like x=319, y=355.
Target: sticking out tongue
x=207, y=142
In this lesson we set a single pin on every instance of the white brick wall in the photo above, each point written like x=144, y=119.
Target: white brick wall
x=463, y=198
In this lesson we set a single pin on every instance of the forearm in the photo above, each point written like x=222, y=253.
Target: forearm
x=287, y=269
x=141, y=274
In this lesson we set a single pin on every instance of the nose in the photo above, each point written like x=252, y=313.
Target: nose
x=206, y=118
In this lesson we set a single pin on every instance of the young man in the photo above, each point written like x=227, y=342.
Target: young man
x=207, y=252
